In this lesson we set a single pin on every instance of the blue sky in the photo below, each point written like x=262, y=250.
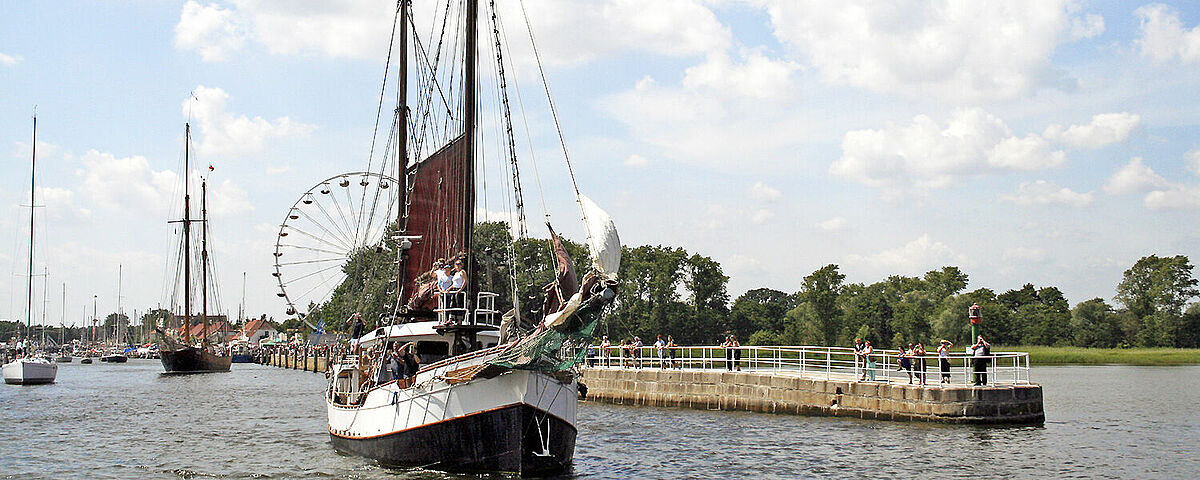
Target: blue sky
x=1052, y=142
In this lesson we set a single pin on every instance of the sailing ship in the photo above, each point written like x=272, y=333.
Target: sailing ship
x=183, y=356
x=31, y=368
x=488, y=396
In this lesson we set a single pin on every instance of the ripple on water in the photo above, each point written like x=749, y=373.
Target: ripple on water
x=106, y=421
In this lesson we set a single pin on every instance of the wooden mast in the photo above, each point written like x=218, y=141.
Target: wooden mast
x=187, y=244
x=470, y=82
x=204, y=262
x=402, y=141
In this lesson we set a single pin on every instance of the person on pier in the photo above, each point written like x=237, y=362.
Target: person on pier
x=868, y=364
x=982, y=350
x=944, y=359
x=605, y=351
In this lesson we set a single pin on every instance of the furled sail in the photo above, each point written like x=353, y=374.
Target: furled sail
x=565, y=282
x=602, y=240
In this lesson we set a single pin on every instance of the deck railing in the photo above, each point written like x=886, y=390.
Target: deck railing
x=829, y=363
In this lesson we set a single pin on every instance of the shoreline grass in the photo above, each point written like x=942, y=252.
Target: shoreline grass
x=1041, y=355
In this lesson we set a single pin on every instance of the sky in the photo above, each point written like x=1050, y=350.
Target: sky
x=1049, y=142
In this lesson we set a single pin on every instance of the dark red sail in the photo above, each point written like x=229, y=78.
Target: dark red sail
x=439, y=213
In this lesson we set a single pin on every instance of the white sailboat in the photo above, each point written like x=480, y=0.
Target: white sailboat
x=30, y=369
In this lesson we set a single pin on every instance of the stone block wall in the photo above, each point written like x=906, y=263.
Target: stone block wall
x=772, y=393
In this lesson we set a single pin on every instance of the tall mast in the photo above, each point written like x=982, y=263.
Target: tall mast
x=45, y=300
x=469, y=101
x=63, y=320
x=32, y=188
x=204, y=260
x=242, y=306
x=117, y=322
x=402, y=140
x=187, y=239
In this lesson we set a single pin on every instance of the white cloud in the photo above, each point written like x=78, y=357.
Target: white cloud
x=636, y=160
x=1164, y=37
x=126, y=184
x=757, y=77
x=9, y=60
x=927, y=155
x=764, y=193
x=1105, y=129
x=354, y=29
x=1193, y=160
x=762, y=216
x=60, y=203
x=1042, y=192
x=1024, y=254
x=1176, y=197
x=956, y=50
x=1134, y=177
x=226, y=133
x=228, y=200
x=212, y=31
x=834, y=224
x=920, y=255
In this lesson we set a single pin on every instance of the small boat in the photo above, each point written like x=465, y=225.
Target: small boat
x=114, y=358
x=30, y=371
x=240, y=353
x=86, y=360
x=63, y=358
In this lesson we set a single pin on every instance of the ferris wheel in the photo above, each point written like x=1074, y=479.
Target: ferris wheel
x=323, y=228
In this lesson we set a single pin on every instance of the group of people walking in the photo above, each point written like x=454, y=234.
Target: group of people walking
x=913, y=359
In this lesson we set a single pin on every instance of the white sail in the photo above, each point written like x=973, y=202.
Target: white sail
x=602, y=239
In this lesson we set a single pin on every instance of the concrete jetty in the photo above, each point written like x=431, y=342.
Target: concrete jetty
x=792, y=393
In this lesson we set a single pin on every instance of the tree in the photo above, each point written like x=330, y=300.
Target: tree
x=1157, y=284
x=760, y=310
x=1093, y=324
x=818, y=295
x=1156, y=290
x=945, y=282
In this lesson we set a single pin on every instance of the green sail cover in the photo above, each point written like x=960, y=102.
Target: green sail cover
x=544, y=351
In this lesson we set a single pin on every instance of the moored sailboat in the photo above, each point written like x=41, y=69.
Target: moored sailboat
x=29, y=368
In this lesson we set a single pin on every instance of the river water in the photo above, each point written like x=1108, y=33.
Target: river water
x=127, y=421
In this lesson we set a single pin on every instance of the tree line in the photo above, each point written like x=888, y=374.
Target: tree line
x=669, y=291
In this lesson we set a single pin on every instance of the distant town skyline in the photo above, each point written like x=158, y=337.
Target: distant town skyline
x=1049, y=142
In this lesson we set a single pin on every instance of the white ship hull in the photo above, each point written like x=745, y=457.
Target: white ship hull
x=30, y=372
x=518, y=421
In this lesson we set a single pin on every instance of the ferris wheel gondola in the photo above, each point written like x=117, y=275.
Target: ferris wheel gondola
x=323, y=228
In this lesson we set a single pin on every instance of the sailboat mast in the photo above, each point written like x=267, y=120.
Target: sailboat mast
x=470, y=81
x=187, y=239
x=204, y=260
x=45, y=300
x=402, y=141
x=32, y=188
x=117, y=321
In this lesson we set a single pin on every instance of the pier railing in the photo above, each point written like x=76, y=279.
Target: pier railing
x=829, y=363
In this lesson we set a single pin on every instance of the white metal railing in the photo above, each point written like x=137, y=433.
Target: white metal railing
x=840, y=363
x=453, y=304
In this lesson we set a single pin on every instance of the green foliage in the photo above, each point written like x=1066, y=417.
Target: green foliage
x=669, y=291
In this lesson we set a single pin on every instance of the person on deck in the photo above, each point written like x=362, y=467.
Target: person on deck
x=457, y=281
x=944, y=359
x=412, y=363
x=357, y=331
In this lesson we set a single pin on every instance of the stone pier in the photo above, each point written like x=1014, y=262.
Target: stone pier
x=773, y=392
